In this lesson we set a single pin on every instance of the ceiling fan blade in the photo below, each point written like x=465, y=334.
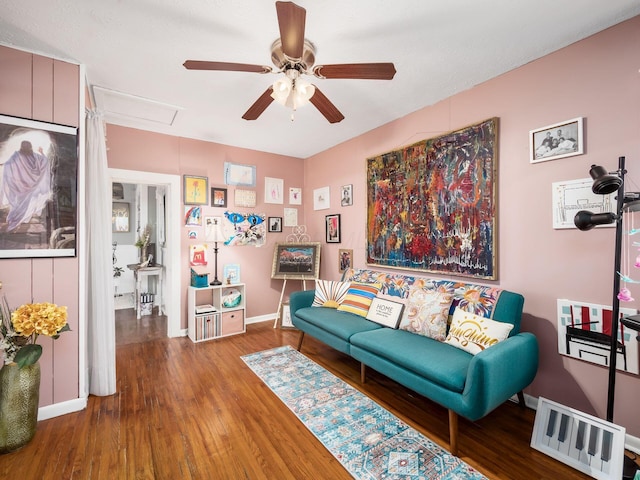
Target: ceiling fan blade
x=368, y=71
x=291, y=20
x=259, y=106
x=225, y=66
x=326, y=108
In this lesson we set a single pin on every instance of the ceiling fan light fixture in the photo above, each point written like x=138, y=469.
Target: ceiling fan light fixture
x=282, y=89
x=291, y=91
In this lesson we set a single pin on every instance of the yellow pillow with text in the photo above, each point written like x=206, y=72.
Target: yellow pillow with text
x=473, y=333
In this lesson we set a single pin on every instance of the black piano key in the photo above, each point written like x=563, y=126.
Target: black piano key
x=562, y=434
x=607, y=438
x=551, y=426
x=593, y=440
x=580, y=436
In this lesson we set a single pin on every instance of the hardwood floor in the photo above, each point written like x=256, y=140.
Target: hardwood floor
x=131, y=330
x=195, y=411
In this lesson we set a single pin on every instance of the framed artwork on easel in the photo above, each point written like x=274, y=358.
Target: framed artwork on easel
x=296, y=261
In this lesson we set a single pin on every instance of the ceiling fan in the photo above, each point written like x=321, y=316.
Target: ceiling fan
x=294, y=56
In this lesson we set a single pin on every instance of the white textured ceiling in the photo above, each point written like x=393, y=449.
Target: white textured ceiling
x=439, y=47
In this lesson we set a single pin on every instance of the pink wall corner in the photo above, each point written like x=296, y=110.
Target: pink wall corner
x=597, y=79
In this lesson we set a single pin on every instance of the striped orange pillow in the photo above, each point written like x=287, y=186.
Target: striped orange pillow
x=359, y=298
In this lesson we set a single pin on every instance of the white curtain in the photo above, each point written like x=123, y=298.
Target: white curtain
x=161, y=193
x=101, y=342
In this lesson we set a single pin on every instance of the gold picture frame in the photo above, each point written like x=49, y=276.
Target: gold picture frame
x=296, y=261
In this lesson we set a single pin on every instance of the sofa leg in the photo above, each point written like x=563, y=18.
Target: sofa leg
x=363, y=372
x=300, y=341
x=521, y=399
x=453, y=433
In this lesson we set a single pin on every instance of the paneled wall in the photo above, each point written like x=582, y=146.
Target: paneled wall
x=40, y=88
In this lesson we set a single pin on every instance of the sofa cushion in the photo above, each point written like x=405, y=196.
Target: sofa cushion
x=340, y=324
x=426, y=313
x=433, y=360
x=474, y=333
x=330, y=294
x=359, y=298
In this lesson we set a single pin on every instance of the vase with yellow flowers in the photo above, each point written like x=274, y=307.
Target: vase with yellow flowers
x=20, y=370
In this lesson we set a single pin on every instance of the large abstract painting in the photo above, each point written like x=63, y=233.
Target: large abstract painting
x=431, y=206
x=38, y=188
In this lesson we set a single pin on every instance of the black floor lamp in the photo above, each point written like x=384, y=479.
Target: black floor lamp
x=605, y=183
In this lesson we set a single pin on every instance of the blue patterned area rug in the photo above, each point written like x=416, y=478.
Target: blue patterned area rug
x=367, y=440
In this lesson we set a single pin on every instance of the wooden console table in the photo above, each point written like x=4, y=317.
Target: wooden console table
x=142, y=272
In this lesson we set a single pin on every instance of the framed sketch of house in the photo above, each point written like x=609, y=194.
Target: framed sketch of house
x=571, y=196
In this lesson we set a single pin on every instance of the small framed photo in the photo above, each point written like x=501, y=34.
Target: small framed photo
x=245, y=198
x=290, y=217
x=273, y=190
x=346, y=195
x=332, y=228
x=285, y=316
x=345, y=259
x=385, y=312
x=564, y=139
x=239, y=175
x=192, y=215
x=295, y=196
x=196, y=190
x=218, y=197
x=275, y=224
x=120, y=217
x=231, y=274
x=321, y=199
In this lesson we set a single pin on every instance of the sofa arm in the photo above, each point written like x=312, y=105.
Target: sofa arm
x=499, y=372
x=300, y=299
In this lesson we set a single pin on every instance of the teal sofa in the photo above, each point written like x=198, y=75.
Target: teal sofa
x=465, y=384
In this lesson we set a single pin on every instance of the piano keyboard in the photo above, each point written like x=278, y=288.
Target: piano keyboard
x=586, y=443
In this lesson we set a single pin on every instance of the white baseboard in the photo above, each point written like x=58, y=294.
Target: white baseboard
x=630, y=442
x=62, y=408
x=269, y=317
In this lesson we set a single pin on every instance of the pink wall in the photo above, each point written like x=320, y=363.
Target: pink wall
x=138, y=150
x=39, y=88
x=597, y=79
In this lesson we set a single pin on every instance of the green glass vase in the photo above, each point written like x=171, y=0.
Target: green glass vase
x=19, y=395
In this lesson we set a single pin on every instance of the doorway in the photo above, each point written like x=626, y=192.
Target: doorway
x=170, y=255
